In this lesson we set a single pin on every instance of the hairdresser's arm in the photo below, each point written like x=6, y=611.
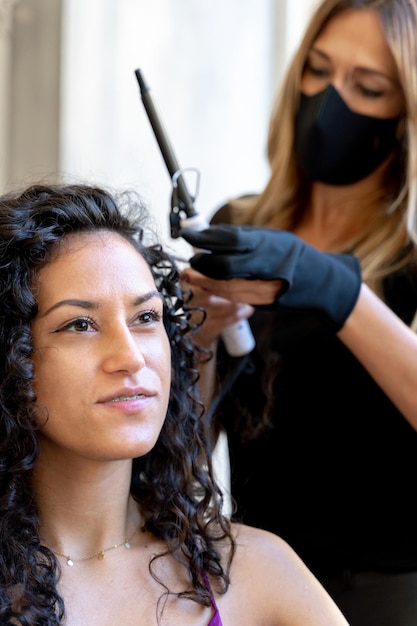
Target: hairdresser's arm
x=329, y=284
x=384, y=345
x=387, y=348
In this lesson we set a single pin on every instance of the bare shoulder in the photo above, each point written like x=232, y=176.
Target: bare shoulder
x=253, y=539
x=268, y=555
x=271, y=585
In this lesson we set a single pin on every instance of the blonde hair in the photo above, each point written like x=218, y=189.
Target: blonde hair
x=390, y=233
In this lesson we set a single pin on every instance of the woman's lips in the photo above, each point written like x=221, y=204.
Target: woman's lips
x=123, y=398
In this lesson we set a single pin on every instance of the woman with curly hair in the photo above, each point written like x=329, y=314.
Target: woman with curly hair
x=109, y=509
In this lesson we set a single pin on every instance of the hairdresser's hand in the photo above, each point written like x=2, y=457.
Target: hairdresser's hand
x=220, y=312
x=257, y=292
x=312, y=280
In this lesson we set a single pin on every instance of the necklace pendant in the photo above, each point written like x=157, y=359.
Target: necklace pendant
x=127, y=544
x=101, y=555
x=70, y=562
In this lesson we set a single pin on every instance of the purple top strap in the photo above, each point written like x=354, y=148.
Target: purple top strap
x=216, y=619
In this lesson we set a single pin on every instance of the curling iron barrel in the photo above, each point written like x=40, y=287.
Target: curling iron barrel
x=237, y=338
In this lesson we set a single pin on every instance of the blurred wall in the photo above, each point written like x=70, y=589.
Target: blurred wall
x=31, y=77
x=71, y=106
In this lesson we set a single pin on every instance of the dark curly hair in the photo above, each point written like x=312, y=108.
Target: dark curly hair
x=173, y=483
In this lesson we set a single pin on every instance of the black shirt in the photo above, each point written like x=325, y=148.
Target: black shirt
x=336, y=476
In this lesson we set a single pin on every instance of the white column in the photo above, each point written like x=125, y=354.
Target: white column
x=6, y=14
x=289, y=20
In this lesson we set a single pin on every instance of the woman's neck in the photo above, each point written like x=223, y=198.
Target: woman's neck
x=337, y=215
x=84, y=506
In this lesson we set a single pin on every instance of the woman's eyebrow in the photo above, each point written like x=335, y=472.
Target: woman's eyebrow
x=92, y=306
x=363, y=70
x=148, y=296
x=368, y=71
x=318, y=52
x=82, y=304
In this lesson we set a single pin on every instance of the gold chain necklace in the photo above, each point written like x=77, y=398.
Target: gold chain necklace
x=100, y=554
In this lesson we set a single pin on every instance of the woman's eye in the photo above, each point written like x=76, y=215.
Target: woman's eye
x=369, y=92
x=79, y=325
x=316, y=70
x=149, y=317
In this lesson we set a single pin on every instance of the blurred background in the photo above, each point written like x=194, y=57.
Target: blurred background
x=70, y=106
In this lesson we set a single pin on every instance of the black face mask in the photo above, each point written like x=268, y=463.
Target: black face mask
x=337, y=146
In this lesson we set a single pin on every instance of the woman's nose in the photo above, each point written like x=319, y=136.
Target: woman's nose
x=122, y=352
x=343, y=82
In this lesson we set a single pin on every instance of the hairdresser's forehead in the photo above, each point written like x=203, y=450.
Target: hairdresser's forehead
x=355, y=36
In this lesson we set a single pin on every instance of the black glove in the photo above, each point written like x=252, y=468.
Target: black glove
x=313, y=280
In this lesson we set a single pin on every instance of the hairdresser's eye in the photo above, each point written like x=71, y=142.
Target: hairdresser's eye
x=79, y=325
x=369, y=92
x=319, y=72
x=316, y=70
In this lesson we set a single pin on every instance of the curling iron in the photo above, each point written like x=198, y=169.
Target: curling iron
x=237, y=338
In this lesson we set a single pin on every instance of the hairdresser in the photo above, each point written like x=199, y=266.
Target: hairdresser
x=321, y=416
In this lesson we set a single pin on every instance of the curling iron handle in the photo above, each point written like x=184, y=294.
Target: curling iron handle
x=237, y=338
